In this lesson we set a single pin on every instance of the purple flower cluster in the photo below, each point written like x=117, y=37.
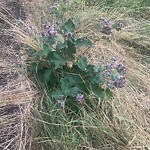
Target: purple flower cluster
x=114, y=74
x=119, y=82
x=107, y=29
x=80, y=98
x=50, y=31
x=107, y=73
x=110, y=66
x=121, y=69
x=108, y=26
x=60, y=102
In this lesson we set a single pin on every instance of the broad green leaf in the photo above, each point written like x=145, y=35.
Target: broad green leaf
x=78, y=71
x=70, y=50
x=40, y=76
x=73, y=91
x=83, y=87
x=69, y=26
x=97, y=90
x=46, y=50
x=67, y=81
x=60, y=46
x=56, y=94
x=83, y=43
x=50, y=41
x=47, y=74
x=103, y=94
x=97, y=78
x=82, y=63
x=72, y=40
x=58, y=60
x=98, y=69
x=33, y=67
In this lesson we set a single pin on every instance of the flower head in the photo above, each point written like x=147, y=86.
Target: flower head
x=80, y=98
x=121, y=68
x=60, y=104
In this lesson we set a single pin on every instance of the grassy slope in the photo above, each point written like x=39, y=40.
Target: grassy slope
x=129, y=106
x=129, y=128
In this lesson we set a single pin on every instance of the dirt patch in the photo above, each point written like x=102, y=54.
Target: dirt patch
x=5, y=78
x=9, y=132
x=15, y=91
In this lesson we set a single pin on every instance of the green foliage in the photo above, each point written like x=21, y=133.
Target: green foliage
x=58, y=67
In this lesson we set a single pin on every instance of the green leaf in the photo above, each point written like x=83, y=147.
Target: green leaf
x=60, y=46
x=67, y=81
x=58, y=60
x=33, y=67
x=76, y=70
x=46, y=51
x=69, y=26
x=39, y=75
x=97, y=78
x=73, y=91
x=98, y=69
x=56, y=94
x=50, y=41
x=83, y=43
x=70, y=50
x=47, y=74
x=82, y=63
x=72, y=40
x=68, y=85
x=103, y=94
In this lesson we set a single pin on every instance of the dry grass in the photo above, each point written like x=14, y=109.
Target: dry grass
x=131, y=105
x=16, y=90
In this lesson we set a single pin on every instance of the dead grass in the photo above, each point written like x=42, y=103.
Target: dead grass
x=17, y=92
x=131, y=105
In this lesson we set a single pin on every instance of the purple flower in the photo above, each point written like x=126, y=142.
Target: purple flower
x=121, y=69
x=51, y=31
x=107, y=29
x=107, y=22
x=102, y=19
x=110, y=66
x=119, y=82
x=107, y=73
x=60, y=104
x=80, y=98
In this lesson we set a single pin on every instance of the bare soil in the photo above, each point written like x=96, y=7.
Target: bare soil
x=10, y=80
